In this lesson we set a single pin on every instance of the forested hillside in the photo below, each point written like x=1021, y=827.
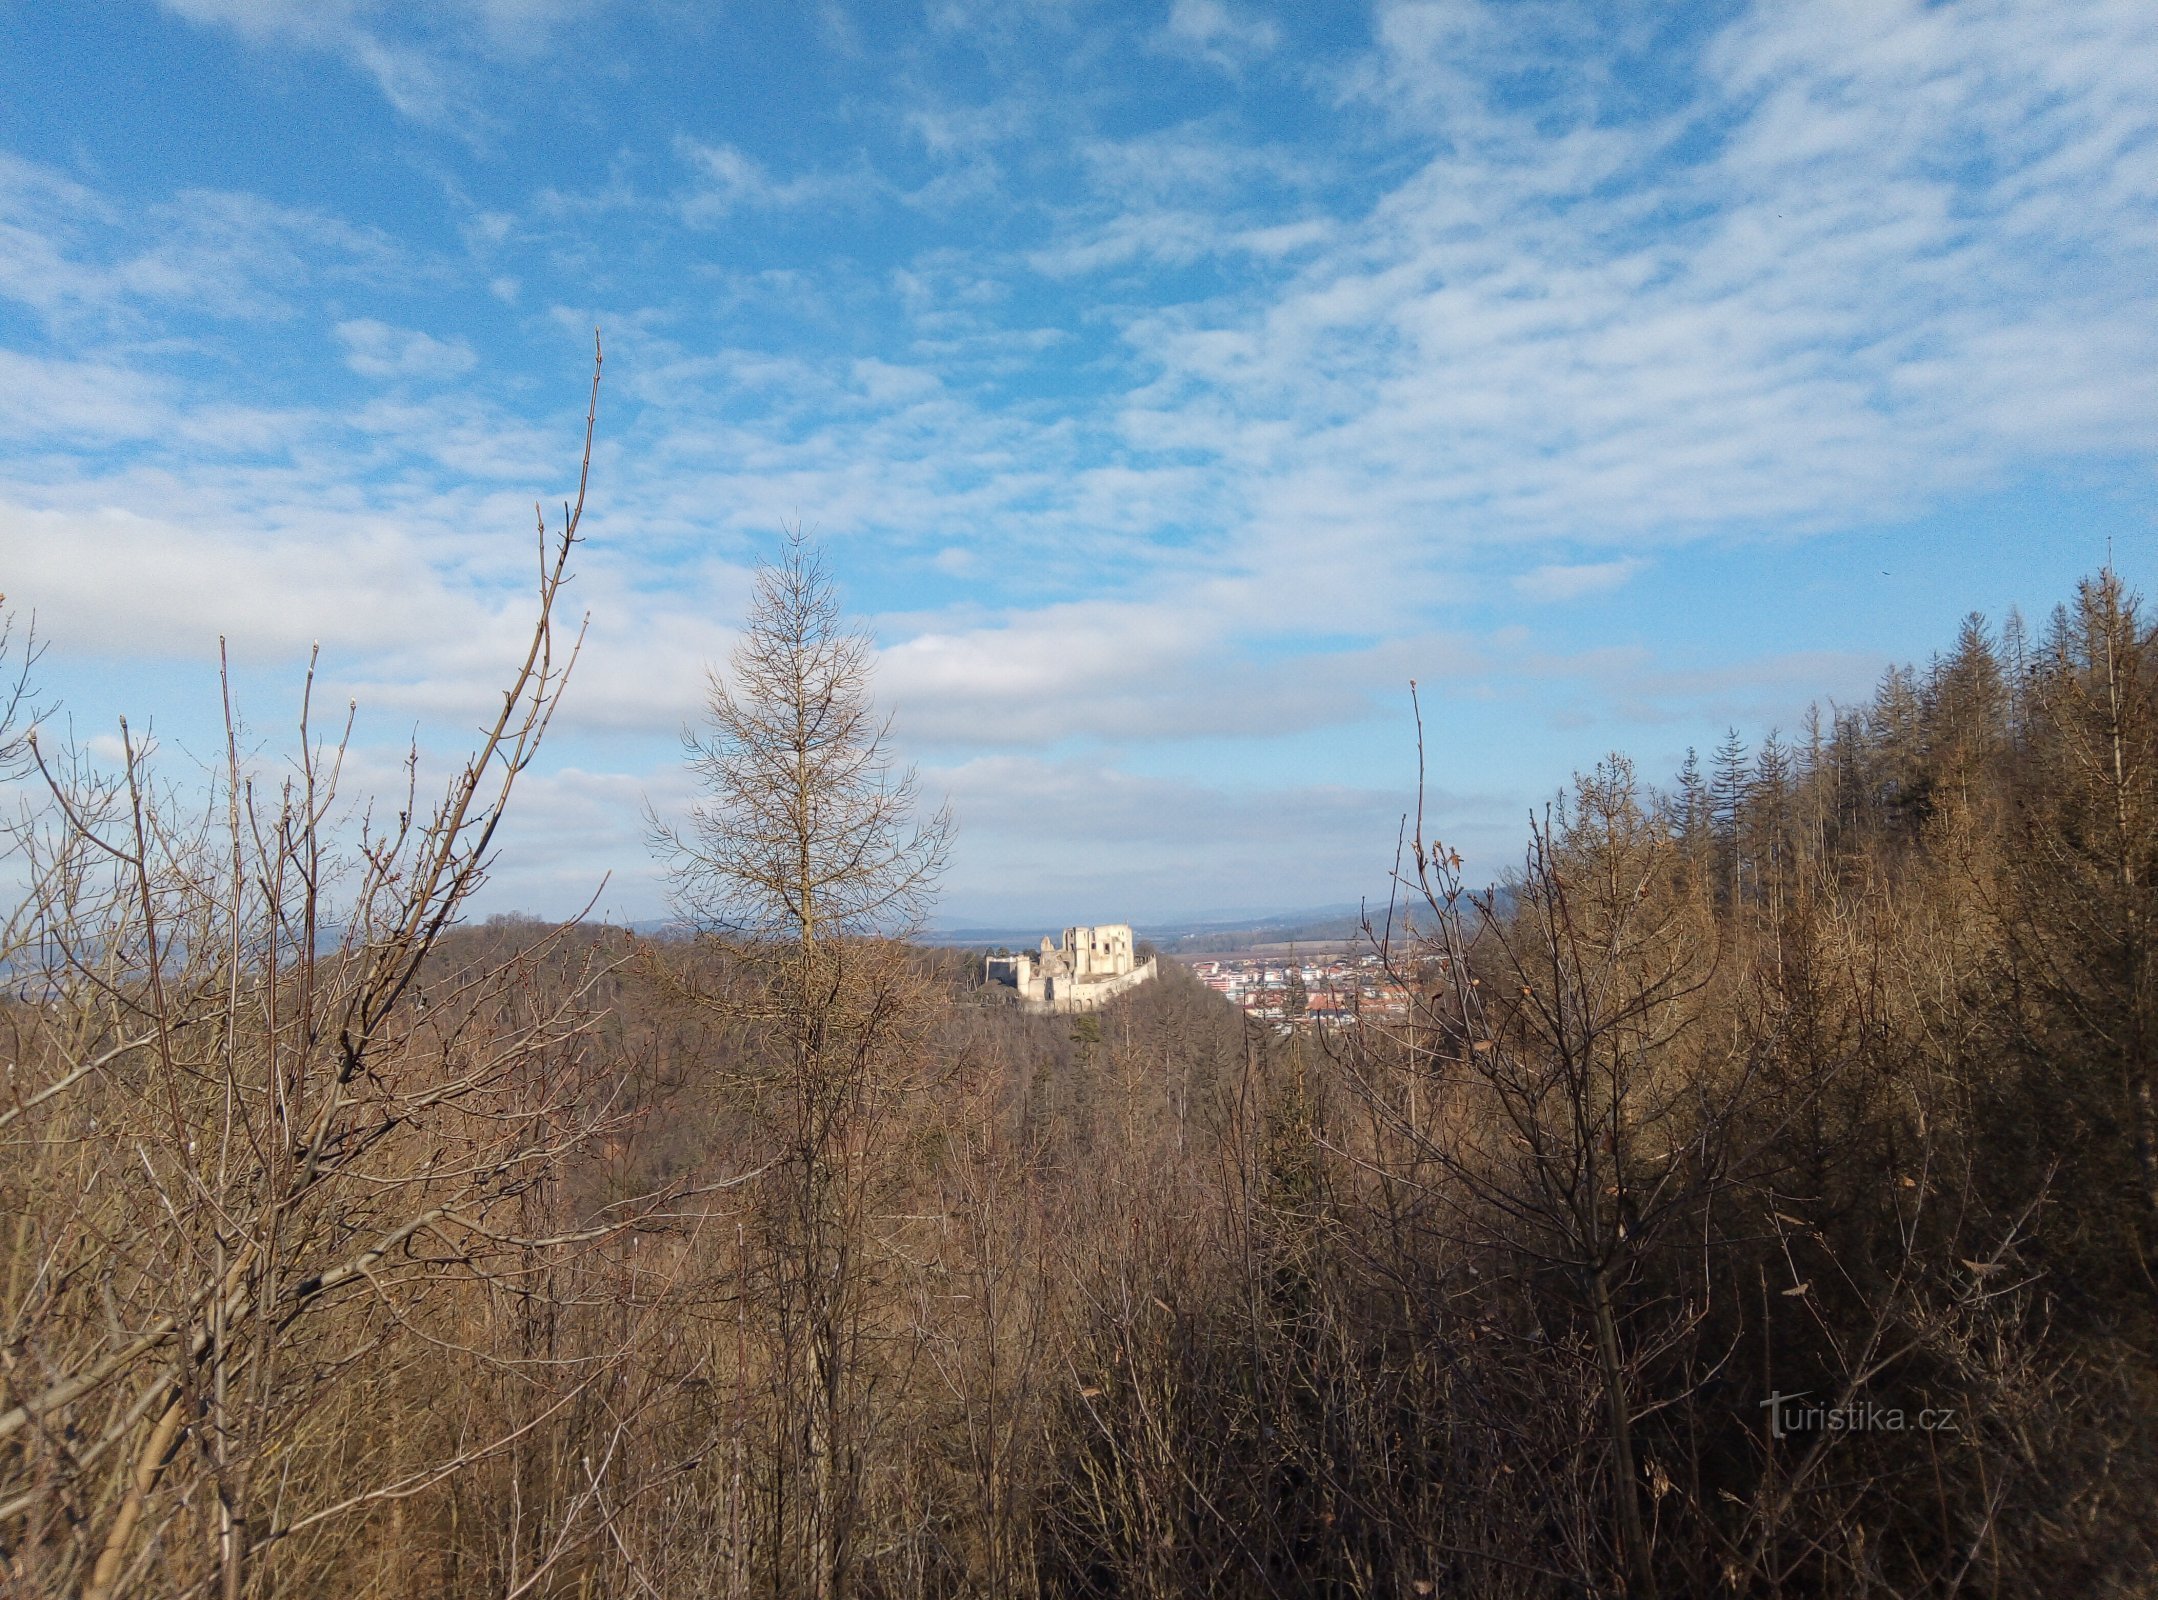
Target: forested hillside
x=1759, y=1199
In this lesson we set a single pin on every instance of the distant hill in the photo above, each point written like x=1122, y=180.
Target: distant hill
x=1187, y=936
x=1198, y=935
x=1325, y=924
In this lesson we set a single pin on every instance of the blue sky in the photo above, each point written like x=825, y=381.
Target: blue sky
x=1170, y=384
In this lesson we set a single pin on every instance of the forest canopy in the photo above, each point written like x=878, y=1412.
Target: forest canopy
x=1757, y=1195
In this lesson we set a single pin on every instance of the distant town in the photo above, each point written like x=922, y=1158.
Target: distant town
x=1316, y=989
x=1290, y=983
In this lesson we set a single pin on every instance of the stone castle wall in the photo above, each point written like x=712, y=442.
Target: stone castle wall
x=1088, y=968
x=1092, y=993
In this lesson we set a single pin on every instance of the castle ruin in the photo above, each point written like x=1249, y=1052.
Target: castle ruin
x=1089, y=968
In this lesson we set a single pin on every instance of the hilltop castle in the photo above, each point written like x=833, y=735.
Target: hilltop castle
x=1090, y=966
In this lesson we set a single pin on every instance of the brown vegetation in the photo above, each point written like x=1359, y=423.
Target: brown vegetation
x=345, y=1251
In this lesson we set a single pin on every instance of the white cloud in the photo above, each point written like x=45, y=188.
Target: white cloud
x=76, y=258
x=1174, y=196
x=1888, y=261
x=377, y=350
x=1172, y=239
x=121, y=584
x=574, y=836
x=1078, y=839
x=420, y=57
x=1094, y=841
x=1209, y=29
x=947, y=128
x=104, y=400
x=1558, y=581
x=731, y=180
x=1199, y=437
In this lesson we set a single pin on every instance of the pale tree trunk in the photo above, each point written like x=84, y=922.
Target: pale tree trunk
x=2135, y=1049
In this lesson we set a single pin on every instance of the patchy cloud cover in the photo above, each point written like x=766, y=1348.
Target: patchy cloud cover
x=1172, y=383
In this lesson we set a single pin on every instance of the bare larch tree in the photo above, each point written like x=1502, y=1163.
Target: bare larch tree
x=808, y=860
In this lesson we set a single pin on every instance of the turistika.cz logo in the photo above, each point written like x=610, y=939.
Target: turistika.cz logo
x=1788, y=1415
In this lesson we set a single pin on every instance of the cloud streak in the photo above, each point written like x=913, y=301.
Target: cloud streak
x=422, y=59
x=1157, y=434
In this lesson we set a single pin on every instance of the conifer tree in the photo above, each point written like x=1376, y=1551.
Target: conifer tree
x=2086, y=857
x=806, y=859
x=1728, y=789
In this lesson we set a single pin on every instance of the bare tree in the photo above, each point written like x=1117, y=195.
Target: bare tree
x=2087, y=852
x=809, y=834
x=1549, y=1112
x=807, y=860
x=266, y=1156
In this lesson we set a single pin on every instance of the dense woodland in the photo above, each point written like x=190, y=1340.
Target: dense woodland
x=347, y=1250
